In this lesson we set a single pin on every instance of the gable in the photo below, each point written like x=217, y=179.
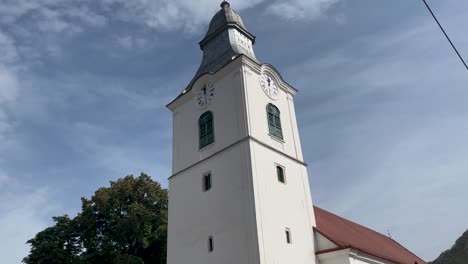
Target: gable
x=322, y=243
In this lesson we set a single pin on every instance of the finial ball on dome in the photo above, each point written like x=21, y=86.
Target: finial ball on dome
x=225, y=3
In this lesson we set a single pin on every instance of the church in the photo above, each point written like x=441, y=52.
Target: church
x=239, y=190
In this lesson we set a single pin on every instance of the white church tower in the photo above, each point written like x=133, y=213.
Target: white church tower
x=239, y=192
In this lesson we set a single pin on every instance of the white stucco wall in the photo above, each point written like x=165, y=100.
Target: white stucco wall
x=257, y=102
x=226, y=212
x=335, y=257
x=280, y=206
x=322, y=243
x=358, y=257
x=349, y=256
x=247, y=210
x=228, y=111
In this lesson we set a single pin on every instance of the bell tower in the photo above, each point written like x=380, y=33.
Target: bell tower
x=239, y=192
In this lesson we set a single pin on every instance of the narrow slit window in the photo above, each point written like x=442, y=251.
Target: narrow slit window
x=206, y=129
x=206, y=181
x=288, y=236
x=280, y=174
x=210, y=244
x=274, y=121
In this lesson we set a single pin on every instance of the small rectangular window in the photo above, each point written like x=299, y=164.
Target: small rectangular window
x=210, y=244
x=280, y=174
x=288, y=236
x=207, y=181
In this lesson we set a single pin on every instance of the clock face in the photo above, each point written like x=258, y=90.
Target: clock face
x=269, y=86
x=205, y=95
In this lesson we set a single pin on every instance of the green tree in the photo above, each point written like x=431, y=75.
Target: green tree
x=55, y=245
x=124, y=223
x=457, y=254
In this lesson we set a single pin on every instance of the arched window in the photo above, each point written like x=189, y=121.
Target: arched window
x=274, y=121
x=205, y=129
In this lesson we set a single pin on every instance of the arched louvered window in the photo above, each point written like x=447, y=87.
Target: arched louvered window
x=206, y=129
x=274, y=121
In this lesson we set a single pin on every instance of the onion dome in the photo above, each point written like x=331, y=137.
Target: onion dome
x=224, y=18
x=226, y=39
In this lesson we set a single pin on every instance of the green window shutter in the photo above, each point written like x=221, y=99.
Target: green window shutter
x=274, y=121
x=271, y=123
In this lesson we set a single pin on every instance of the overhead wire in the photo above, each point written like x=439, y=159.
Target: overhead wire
x=448, y=38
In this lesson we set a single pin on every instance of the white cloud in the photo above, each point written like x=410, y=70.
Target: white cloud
x=4, y=178
x=68, y=16
x=9, y=84
x=301, y=9
x=394, y=123
x=166, y=15
x=35, y=29
x=190, y=15
x=8, y=60
x=134, y=42
x=84, y=14
x=8, y=52
x=41, y=27
x=55, y=13
x=9, y=87
x=23, y=213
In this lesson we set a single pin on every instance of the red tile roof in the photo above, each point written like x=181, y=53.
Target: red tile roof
x=347, y=234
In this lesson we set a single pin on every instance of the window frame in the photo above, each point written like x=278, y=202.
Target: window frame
x=206, y=129
x=283, y=171
x=275, y=128
x=210, y=243
x=288, y=235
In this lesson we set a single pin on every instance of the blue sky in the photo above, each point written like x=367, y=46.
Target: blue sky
x=382, y=105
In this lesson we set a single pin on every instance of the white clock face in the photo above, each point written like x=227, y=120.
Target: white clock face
x=269, y=86
x=205, y=95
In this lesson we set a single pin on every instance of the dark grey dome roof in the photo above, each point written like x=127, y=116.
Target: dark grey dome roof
x=219, y=47
x=225, y=17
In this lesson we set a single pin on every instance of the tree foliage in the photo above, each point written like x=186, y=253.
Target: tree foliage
x=457, y=254
x=125, y=223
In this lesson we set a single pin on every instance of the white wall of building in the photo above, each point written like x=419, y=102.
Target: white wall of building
x=358, y=257
x=335, y=257
x=257, y=102
x=349, y=256
x=279, y=206
x=228, y=111
x=226, y=212
x=247, y=210
x=322, y=243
